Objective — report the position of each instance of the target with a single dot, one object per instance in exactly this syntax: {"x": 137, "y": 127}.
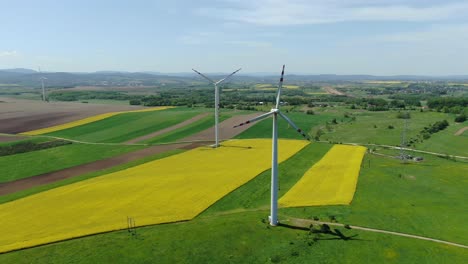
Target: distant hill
{"x": 30, "y": 78}
{"x": 18, "y": 70}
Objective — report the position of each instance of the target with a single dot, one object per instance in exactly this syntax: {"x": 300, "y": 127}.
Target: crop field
{"x": 172, "y": 189}
{"x": 24, "y": 165}
{"x": 330, "y": 181}
{"x": 126, "y": 126}
{"x": 190, "y": 129}
{"x": 225, "y": 193}
{"x": 19, "y": 115}
{"x": 87, "y": 120}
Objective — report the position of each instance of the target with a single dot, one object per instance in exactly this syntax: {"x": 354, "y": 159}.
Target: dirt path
{"x": 460, "y": 131}
{"x": 308, "y": 222}
{"x": 332, "y": 90}
{"x": 199, "y": 139}
{"x": 169, "y": 129}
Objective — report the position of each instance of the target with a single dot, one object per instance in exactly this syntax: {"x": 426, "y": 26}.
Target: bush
{"x": 135, "y": 102}
{"x": 403, "y": 115}
{"x": 24, "y": 147}
{"x": 310, "y": 112}
{"x": 460, "y": 118}
{"x": 390, "y": 127}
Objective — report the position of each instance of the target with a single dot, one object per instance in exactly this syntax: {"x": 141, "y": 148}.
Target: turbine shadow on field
{"x": 324, "y": 230}
{"x": 242, "y": 147}
{"x": 224, "y": 146}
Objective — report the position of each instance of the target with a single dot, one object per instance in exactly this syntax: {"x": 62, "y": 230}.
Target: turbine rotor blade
{"x": 260, "y": 117}
{"x": 220, "y": 81}
{"x": 279, "y": 88}
{"x": 204, "y": 76}
{"x": 294, "y": 125}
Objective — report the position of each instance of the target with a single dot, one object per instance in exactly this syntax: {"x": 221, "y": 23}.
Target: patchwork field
{"x": 330, "y": 181}
{"x": 127, "y": 126}
{"x": 18, "y": 115}
{"x": 172, "y": 189}
{"x": 24, "y": 165}
{"x": 87, "y": 121}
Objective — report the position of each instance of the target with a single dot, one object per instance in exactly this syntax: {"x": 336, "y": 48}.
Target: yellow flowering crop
{"x": 175, "y": 188}
{"x": 330, "y": 181}
{"x": 87, "y": 120}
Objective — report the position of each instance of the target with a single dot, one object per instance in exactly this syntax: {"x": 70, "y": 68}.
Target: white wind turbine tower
{"x": 273, "y": 218}
{"x": 216, "y": 102}
{"x": 43, "y": 87}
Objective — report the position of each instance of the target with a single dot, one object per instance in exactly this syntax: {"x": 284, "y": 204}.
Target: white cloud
{"x": 445, "y": 33}
{"x": 296, "y": 12}
{"x": 12, "y": 53}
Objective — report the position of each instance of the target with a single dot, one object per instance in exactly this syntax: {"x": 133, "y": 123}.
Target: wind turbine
{"x": 273, "y": 218}
{"x": 43, "y": 87}
{"x": 216, "y": 102}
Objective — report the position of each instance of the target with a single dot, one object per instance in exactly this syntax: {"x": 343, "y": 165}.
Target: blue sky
{"x": 377, "y": 37}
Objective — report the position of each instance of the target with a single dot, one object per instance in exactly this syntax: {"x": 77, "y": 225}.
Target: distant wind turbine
{"x": 43, "y": 86}
{"x": 216, "y": 102}
{"x": 273, "y": 218}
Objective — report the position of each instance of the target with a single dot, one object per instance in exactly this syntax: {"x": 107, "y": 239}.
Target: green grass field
{"x": 236, "y": 238}
{"x": 33, "y": 163}
{"x": 446, "y": 142}
{"x": 123, "y": 127}
{"x": 372, "y": 127}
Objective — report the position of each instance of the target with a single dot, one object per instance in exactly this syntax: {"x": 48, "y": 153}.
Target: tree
{"x": 318, "y": 134}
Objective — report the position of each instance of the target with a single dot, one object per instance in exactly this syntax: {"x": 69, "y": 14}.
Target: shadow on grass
{"x": 324, "y": 230}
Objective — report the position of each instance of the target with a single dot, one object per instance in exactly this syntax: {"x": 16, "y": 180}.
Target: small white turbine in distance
{"x": 43, "y": 86}
{"x": 273, "y": 218}
{"x": 216, "y": 102}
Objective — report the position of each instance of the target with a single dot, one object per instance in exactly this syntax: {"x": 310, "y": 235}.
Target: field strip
{"x": 88, "y": 120}
{"x": 461, "y": 130}
{"x": 330, "y": 181}
{"x": 172, "y": 189}
{"x": 307, "y": 223}
{"x": 168, "y": 129}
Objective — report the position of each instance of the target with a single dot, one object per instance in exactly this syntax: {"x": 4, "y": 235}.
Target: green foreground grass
{"x": 426, "y": 199}
{"x": 236, "y": 238}
{"x": 123, "y": 127}
{"x": 33, "y": 163}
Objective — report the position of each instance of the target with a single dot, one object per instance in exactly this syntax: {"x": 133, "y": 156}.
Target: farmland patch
{"x": 330, "y": 181}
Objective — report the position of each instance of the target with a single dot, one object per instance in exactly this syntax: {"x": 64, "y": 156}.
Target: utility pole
{"x": 403, "y": 140}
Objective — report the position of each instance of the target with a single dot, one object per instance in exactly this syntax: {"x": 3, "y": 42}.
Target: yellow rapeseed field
{"x": 175, "y": 188}
{"x": 330, "y": 181}
{"x": 87, "y": 120}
